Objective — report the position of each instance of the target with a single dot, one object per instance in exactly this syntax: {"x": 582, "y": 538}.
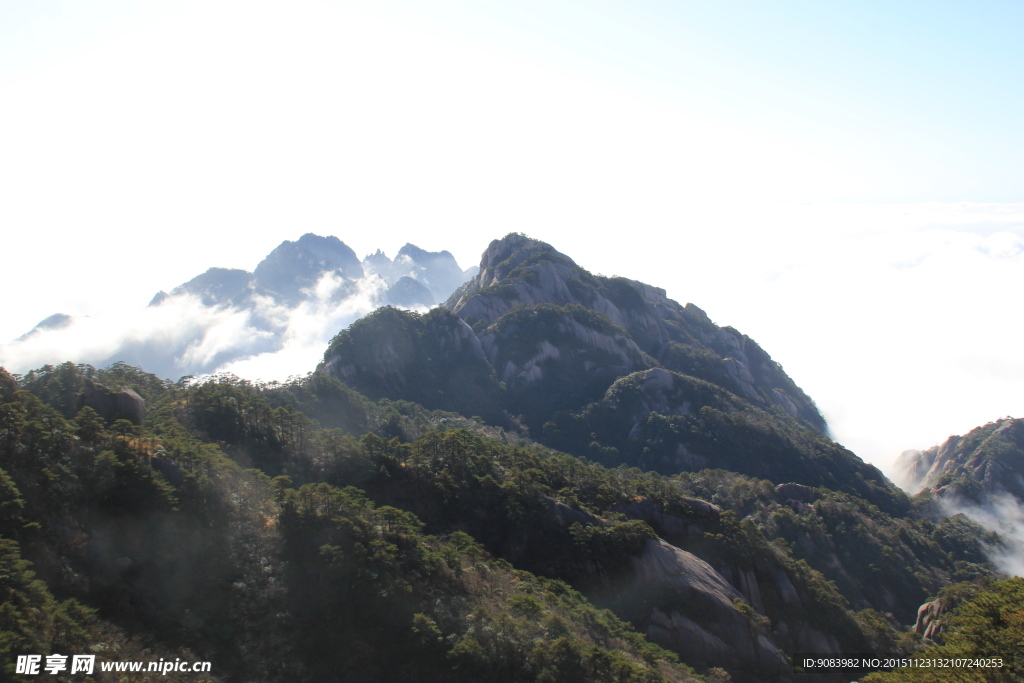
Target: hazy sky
{"x": 841, "y": 181}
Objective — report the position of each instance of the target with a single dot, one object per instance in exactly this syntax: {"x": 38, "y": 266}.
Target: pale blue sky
{"x": 930, "y": 88}
{"x": 840, "y": 180}
{"x": 924, "y": 96}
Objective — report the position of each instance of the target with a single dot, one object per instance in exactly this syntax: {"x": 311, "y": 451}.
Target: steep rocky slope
{"x": 984, "y": 463}
{"x": 433, "y": 359}
{"x": 517, "y": 270}
{"x": 606, "y": 368}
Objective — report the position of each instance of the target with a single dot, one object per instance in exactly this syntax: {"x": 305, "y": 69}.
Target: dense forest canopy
{"x": 234, "y": 526}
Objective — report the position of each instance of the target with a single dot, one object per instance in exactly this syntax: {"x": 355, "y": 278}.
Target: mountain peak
{"x": 214, "y": 287}
{"x": 294, "y": 266}
{"x": 56, "y": 321}
{"x": 602, "y": 367}
{"x": 501, "y": 256}
{"x": 437, "y": 271}
{"x": 421, "y": 255}
{"x": 328, "y": 248}
{"x": 521, "y": 271}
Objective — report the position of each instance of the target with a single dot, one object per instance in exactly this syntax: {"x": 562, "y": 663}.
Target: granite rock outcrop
{"x": 112, "y": 405}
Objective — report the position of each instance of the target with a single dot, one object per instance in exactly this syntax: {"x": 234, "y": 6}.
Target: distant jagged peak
{"x": 288, "y": 273}
{"x": 409, "y": 293}
{"x": 216, "y": 286}
{"x": 283, "y": 274}
{"x": 420, "y": 255}
{"x": 295, "y": 266}
{"x": 329, "y": 252}
{"x": 376, "y": 257}
{"x": 57, "y": 321}
{"x": 437, "y": 271}
{"x": 327, "y": 249}
{"x": 378, "y": 263}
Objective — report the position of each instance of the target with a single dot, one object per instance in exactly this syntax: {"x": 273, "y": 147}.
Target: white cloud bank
{"x": 181, "y": 336}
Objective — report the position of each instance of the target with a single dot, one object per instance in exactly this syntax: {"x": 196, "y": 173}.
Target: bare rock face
{"x": 565, "y": 336}
{"x": 112, "y": 405}
{"x": 792, "y": 491}
{"x": 713, "y": 632}
{"x": 928, "y": 623}
{"x": 797, "y": 496}
{"x": 565, "y": 515}
{"x": 8, "y": 385}
{"x": 702, "y": 508}
{"x": 434, "y": 359}
{"x": 670, "y": 525}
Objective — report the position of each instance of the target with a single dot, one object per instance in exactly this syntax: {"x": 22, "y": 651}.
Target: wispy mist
{"x": 181, "y": 336}
{"x": 1004, "y": 515}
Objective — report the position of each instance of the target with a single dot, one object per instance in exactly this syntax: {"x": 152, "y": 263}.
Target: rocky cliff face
{"x": 518, "y": 271}
{"x": 716, "y": 632}
{"x": 557, "y": 357}
{"x": 986, "y": 462}
{"x": 928, "y": 624}
{"x": 682, "y": 603}
{"x": 112, "y": 405}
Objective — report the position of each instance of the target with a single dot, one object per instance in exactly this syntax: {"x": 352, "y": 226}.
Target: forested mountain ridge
{"x": 627, "y": 539}
{"x": 605, "y": 368}
{"x": 548, "y": 491}
{"x": 177, "y": 550}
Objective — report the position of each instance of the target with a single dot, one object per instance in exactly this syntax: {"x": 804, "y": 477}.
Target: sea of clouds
{"x": 181, "y": 336}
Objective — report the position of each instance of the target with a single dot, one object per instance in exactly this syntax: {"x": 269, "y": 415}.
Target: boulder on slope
{"x": 112, "y": 405}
